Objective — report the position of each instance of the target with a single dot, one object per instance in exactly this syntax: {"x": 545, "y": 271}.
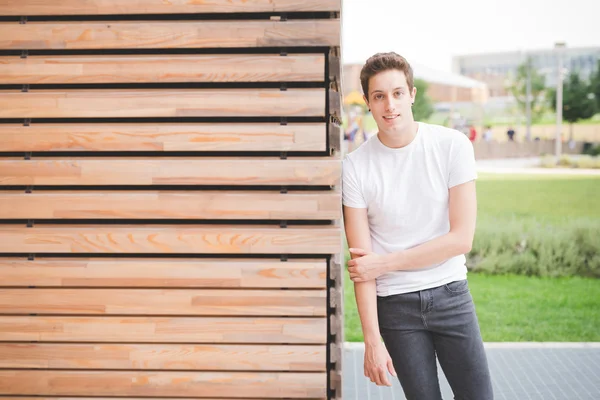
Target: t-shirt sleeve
{"x": 351, "y": 193}
{"x": 462, "y": 167}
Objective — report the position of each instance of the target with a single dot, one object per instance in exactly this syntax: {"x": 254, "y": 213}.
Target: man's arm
{"x": 462, "y": 205}
{"x": 377, "y": 358}
{"x": 356, "y": 225}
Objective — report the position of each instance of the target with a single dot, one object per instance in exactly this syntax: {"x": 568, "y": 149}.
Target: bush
{"x": 527, "y": 247}
{"x": 591, "y": 149}
{"x": 565, "y": 161}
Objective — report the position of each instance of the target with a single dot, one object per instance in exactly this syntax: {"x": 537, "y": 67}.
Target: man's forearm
{"x": 429, "y": 253}
{"x": 366, "y": 301}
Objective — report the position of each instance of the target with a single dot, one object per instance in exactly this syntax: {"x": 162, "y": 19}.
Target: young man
{"x": 409, "y": 212}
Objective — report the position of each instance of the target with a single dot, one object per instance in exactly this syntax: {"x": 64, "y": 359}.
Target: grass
{"x": 514, "y": 308}
{"x": 548, "y": 197}
{"x": 523, "y": 308}
{"x": 519, "y": 308}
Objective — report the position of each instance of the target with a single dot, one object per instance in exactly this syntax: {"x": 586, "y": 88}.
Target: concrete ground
{"x": 520, "y": 371}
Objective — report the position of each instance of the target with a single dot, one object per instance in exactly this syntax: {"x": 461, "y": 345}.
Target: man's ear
{"x": 414, "y": 95}
{"x": 366, "y": 102}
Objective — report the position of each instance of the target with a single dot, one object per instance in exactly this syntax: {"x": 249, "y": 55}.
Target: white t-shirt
{"x": 405, "y": 192}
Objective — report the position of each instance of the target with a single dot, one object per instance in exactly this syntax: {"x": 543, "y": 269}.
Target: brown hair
{"x": 383, "y": 62}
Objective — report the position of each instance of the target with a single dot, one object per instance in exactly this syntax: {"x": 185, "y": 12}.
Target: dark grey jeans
{"x": 416, "y": 326}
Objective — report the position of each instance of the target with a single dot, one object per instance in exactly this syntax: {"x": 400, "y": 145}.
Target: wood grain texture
{"x": 99, "y": 7}
{"x": 140, "y": 398}
{"x": 170, "y": 239}
{"x": 163, "y": 137}
{"x": 190, "y": 302}
{"x": 169, "y": 171}
{"x": 174, "y": 34}
{"x": 209, "y": 330}
{"x": 137, "y": 103}
{"x": 162, "y": 68}
{"x": 163, "y": 273}
{"x": 163, "y": 357}
{"x": 170, "y": 204}
{"x": 164, "y": 383}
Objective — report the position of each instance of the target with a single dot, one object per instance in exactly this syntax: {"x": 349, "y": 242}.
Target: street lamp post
{"x": 528, "y": 98}
{"x": 559, "y": 46}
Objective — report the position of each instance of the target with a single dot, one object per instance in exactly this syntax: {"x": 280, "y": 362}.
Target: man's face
{"x": 390, "y": 100}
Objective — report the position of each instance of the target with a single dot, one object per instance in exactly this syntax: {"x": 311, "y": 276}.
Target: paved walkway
{"x": 527, "y": 166}
{"x": 520, "y": 371}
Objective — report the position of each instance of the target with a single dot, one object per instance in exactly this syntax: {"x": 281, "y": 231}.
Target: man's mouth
{"x": 390, "y": 117}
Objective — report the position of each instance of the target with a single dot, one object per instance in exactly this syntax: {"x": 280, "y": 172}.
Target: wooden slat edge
{"x": 163, "y": 273}
{"x": 164, "y": 205}
{"x": 169, "y": 239}
{"x": 192, "y": 357}
{"x": 107, "y": 7}
{"x": 161, "y": 68}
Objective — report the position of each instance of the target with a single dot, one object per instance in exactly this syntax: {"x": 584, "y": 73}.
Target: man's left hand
{"x": 367, "y": 266}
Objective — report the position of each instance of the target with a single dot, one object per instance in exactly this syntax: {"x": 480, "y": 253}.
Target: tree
{"x": 595, "y": 85}
{"x": 518, "y": 88}
{"x": 578, "y": 100}
{"x": 423, "y": 107}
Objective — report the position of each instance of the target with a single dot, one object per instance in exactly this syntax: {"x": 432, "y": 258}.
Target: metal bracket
{"x": 31, "y": 257}
{"x": 283, "y": 224}
{"x": 283, "y": 155}
{"x": 283, "y": 87}
{"x": 27, "y": 155}
{"x": 283, "y": 52}
{"x": 284, "y": 257}
{"x": 279, "y": 18}
{"x": 26, "y": 121}
{"x": 283, "y": 121}
{"x": 24, "y": 53}
{"x": 25, "y": 88}
{"x": 23, "y": 20}
{"x": 29, "y": 189}
{"x": 283, "y": 190}
{"x": 30, "y": 223}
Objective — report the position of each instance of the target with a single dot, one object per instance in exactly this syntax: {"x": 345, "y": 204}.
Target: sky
{"x": 430, "y": 32}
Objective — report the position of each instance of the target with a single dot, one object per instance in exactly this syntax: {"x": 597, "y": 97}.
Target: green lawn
{"x": 550, "y": 198}
{"x": 525, "y": 308}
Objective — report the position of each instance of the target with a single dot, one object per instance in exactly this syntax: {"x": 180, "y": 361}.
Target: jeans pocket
{"x": 457, "y": 288}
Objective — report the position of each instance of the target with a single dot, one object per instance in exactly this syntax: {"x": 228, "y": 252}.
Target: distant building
{"x": 496, "y": 69}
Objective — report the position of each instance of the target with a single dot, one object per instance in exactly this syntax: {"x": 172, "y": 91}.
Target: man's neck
{"x": 396, "y": 140}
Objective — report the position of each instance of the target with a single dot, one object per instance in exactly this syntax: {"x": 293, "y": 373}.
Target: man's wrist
{"x": 394, "y": 261}
{"x": 373, "y": 340}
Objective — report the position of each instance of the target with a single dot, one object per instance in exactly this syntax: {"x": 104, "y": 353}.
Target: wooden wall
{"x": 169, "y": 199}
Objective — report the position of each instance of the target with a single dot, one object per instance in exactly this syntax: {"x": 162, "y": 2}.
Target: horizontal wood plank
{"x": 152, "y": 272}
{"x": 169, "y": 171}
{"x": 162, "y": 68}
{"x": 143, "y": 398}
{"x": 138, "y": 103}
{"x": 213, "y": 330}
{"x": 164, "y": 383}
{"x": 163, "y": 357}
{"x": 191, "y": 302}
{"x": 100, "y": 7}
{"x": 172, "y": 34}
{"x": 163, "y": 137}
{"x": 169, "y": 239}
{"x": 170, "y": 204}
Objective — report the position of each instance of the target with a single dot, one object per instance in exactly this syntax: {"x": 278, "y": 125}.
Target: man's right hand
{"x": 377, "y": 364}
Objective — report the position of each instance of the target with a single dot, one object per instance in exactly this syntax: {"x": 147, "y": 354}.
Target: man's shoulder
{"x": 443, "y": 135}
{"x": 362, "y": 152}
